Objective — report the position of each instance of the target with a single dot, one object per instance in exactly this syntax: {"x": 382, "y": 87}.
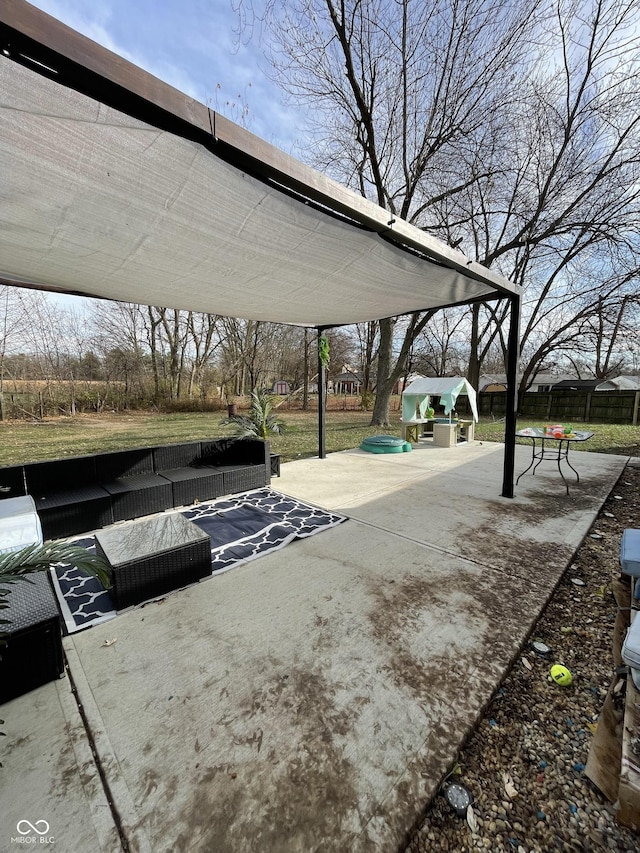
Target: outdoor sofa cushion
{"x": 67, "y": 497}
{"x": 244, "y": 463}
{"x": 128, "y": 476}
{"x": 12, "y": 482}
{"x": 190, "y": 484}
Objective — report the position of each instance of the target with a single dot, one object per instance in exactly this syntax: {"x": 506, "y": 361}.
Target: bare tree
{"x": 395, "y": 89}
{"x": 367, "y": 337}
{"x": 118, "y": 331}
{"x": 47, "y": 339}
{"x": 180, "y": 344}
{"x": 203, "y": 331}
{"x": 607, "y": 333}
{"x": 13, "y": 322}
{"x": 243, "y": 354}
{"x": 442, "y": 349}
{"x": 558, "y": 211}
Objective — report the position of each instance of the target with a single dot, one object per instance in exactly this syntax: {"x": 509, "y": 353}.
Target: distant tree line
{"x": 118, "y": 356}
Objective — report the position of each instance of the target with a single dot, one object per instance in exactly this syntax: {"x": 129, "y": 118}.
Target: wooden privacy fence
{"x": 612, "y": 407}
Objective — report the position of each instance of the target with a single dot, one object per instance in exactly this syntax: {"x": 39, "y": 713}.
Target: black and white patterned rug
{"x": 241, "y": 527}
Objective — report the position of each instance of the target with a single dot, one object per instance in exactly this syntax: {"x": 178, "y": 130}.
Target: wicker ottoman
{"x": 153, "y": 556}
{"x": 33, "y": 652}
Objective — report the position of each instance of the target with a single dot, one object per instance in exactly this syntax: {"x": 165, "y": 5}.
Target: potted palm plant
{"x": 260, "y": 422}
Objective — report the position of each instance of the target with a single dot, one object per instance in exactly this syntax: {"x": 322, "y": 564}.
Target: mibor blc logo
{"x": 33, "y": 833}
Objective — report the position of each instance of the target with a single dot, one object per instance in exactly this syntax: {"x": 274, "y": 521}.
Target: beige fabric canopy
{"x": 162, "y": 202}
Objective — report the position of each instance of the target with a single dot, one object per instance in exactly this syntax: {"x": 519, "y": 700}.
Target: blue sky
{"x": 192, "y": 45}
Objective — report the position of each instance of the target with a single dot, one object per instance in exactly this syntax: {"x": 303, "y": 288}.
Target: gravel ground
{"x": 535, "y": 735}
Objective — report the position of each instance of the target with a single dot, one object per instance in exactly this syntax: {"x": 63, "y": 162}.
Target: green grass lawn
{"x": 622, "y": 439}
{"x": 58, "y": 437}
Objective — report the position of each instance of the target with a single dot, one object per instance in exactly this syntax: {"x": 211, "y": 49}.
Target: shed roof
{"x": 119, "y": 186}
{"x": 620, "y": 383}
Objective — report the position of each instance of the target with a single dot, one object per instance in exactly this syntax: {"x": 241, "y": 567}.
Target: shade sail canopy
{"x": 115, "y": 185}
{"x": 417, "y": 396}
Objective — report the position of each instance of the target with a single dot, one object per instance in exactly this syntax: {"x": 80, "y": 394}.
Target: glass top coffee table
{"x": 153, "y": 556}
{"x": 545, "y": 447}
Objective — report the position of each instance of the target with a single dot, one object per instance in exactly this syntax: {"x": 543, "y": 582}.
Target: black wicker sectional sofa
{"x": 84, "y": 493}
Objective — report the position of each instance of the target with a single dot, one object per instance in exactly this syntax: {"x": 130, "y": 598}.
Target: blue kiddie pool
{"x": 385, "y": 444}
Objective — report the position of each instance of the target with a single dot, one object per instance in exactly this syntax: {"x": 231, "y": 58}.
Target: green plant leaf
{"x": 15, "y": 565}
{"x": 323, "y": 350}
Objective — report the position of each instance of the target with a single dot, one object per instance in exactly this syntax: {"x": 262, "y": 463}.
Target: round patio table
{"x": 545, "y": 447}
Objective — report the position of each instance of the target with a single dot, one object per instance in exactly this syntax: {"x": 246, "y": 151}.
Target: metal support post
{"x": 513, "y": 355}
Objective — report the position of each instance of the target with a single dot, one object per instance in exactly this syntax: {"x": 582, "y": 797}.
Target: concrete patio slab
{"x": 454, "y": 504}
{"x": 313, "y": 699}
{"x": 50, "y": 785}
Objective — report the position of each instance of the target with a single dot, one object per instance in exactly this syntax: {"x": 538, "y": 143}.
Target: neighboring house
{"x": 498, "y": 382}
{"x": 492, "y": 382}
{"x": 545, "y": 381}
{"x": 347, "y": 383}
{"x": 620, "y": 383}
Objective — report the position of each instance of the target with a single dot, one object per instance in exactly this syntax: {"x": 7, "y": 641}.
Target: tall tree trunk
{"x": 305, "y": 386}
{"x": 390, "y": 369}
{"x": 153, "y": 347}
{"x": 384, "y": 384}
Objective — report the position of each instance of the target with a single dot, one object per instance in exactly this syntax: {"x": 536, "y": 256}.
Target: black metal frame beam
{"x": 513, "y": 356}
{"x": 322, "y": 398}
